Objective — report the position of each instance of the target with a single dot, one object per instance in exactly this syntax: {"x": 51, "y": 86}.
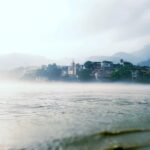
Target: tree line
{"x": 119, "y": 73}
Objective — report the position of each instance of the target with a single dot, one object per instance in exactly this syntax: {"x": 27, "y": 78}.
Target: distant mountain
{"x": 102, "y": 58}
{"x": 144, "y": 53}
{"x": 116, "y": 58}
{"x": 135, "y": 57}
{"x": 145, "y": 63}
{"x": 15, "y": 60}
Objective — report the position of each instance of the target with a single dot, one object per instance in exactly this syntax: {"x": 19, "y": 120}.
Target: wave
{"x": 130, "y": 139}
{"x": 121, "y": 132}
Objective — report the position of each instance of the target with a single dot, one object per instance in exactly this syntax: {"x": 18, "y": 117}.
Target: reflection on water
{"x": 74, "y": 116}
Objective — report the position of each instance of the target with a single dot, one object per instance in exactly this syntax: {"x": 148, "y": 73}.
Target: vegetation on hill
{"x": 123, "y": 73}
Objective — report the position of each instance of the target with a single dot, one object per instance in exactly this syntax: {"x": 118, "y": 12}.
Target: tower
{"x": 73, "y": 68}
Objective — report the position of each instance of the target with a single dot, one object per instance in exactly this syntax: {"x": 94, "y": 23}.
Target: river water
{"x": 74, "y": 116}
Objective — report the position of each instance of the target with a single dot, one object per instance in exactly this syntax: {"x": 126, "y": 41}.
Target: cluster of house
{"x": 101, "y": 70}
{"x": 71, "y": 71}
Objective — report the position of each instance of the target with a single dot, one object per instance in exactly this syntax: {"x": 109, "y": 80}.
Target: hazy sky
{"x": 73, "y": 28}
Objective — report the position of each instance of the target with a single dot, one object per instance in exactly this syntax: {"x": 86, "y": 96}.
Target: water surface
{"x": 74, "y": 116}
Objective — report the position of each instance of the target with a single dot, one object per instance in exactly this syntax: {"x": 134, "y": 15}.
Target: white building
{"x": 107, "y": 64}
{"x": 72, "y": 69}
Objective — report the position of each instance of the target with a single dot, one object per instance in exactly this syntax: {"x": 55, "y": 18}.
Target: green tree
{"x": 88, "y": 65}
{"x": 51, "y": 72}
{"x": 144, "y": 76}
{"x": 123, "y": 73}
{"x": 85, "y": 75}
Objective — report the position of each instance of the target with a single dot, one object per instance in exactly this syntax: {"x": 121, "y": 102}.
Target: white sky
{"x": 73, "y": 28}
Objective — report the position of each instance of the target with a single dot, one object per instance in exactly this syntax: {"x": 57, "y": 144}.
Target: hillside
{"x": 15, "y": 60}
{"x": 145, "y": 63}
{"x": 135, "y": 57}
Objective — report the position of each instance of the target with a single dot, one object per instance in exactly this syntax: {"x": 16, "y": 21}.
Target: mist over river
{"x": 74, "y": 116}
